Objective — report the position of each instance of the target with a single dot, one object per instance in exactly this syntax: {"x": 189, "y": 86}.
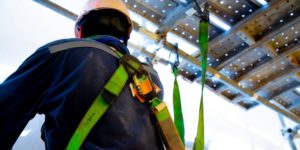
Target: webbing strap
{"x": 95, "y": 112}
{"x": 81, "y": 43}
{"x": 167, "y": 128}
{"x": 117, "y": 82}
{"x": 203, "y": 44}
{"x": 114, "y": 86}
{"x": 178, "y": 116}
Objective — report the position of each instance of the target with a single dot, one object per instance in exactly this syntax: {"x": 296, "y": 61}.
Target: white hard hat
{"x": 95, "y": 5}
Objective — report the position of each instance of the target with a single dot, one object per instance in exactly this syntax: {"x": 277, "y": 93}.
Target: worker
{"x": 62, "y": 79}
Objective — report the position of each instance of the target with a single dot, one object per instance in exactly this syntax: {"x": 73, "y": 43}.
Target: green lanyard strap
{"x": 178, "y": 116}
{"x": 203, "y": 44}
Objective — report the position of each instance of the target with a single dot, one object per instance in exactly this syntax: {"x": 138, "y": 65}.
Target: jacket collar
{"x": 111, "y": 41}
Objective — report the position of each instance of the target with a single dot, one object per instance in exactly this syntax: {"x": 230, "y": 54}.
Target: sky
{"x": 26, "y": 25}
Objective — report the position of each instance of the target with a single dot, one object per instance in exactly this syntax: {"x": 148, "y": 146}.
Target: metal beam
{"x": 294, "y": 60}
{"x": 221, "y": 89}
{"x": 273, "y": 78}
{"x": 57, "y": 9}
{"x": 279, "y": 91}
{"x": 174, "y": 17}
{"x": 143, "y": 51}
{"x": 276, "y": 77}
{"x": 261, "y": 42}
{"x": 215, "y": 5}
{"x": 237, "y": 27}
{"x": 235, "y": 74}
{"x": 261, "y": 67}
{"x": 148, "y": 7}
{"x": 222, "y": 78}
{"x": 246, "y": 37}
{"x": 265, "y": 84}
{"x": 253, "y": 95}
{"x": 159, "y": 36}
{"x": 181, "y": 2}
{"x": 296, "y": 76}
{"x": 271, "y": 49}
{"x": 255, "y": 2}
{"x": 232, "y": 83}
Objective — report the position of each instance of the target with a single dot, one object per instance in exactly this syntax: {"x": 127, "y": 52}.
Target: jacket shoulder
{"x": 56, "y": 42}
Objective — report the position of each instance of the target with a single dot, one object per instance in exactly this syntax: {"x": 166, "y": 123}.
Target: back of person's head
{"x": 104, "y": 17}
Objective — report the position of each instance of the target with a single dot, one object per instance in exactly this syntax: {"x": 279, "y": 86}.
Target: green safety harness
{"x": 144, "y": 90}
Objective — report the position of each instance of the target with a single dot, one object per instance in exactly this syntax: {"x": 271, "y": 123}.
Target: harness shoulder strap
{"x": 80, "y": 43}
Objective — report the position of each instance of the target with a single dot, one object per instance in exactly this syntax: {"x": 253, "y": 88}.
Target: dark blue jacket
{"x": 61, "y": 80}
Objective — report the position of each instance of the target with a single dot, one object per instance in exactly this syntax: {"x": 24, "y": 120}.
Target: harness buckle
{"x": 142, "y": 88}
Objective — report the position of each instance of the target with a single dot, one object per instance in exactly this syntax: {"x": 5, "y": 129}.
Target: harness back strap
{"x": 114, "y": 86}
